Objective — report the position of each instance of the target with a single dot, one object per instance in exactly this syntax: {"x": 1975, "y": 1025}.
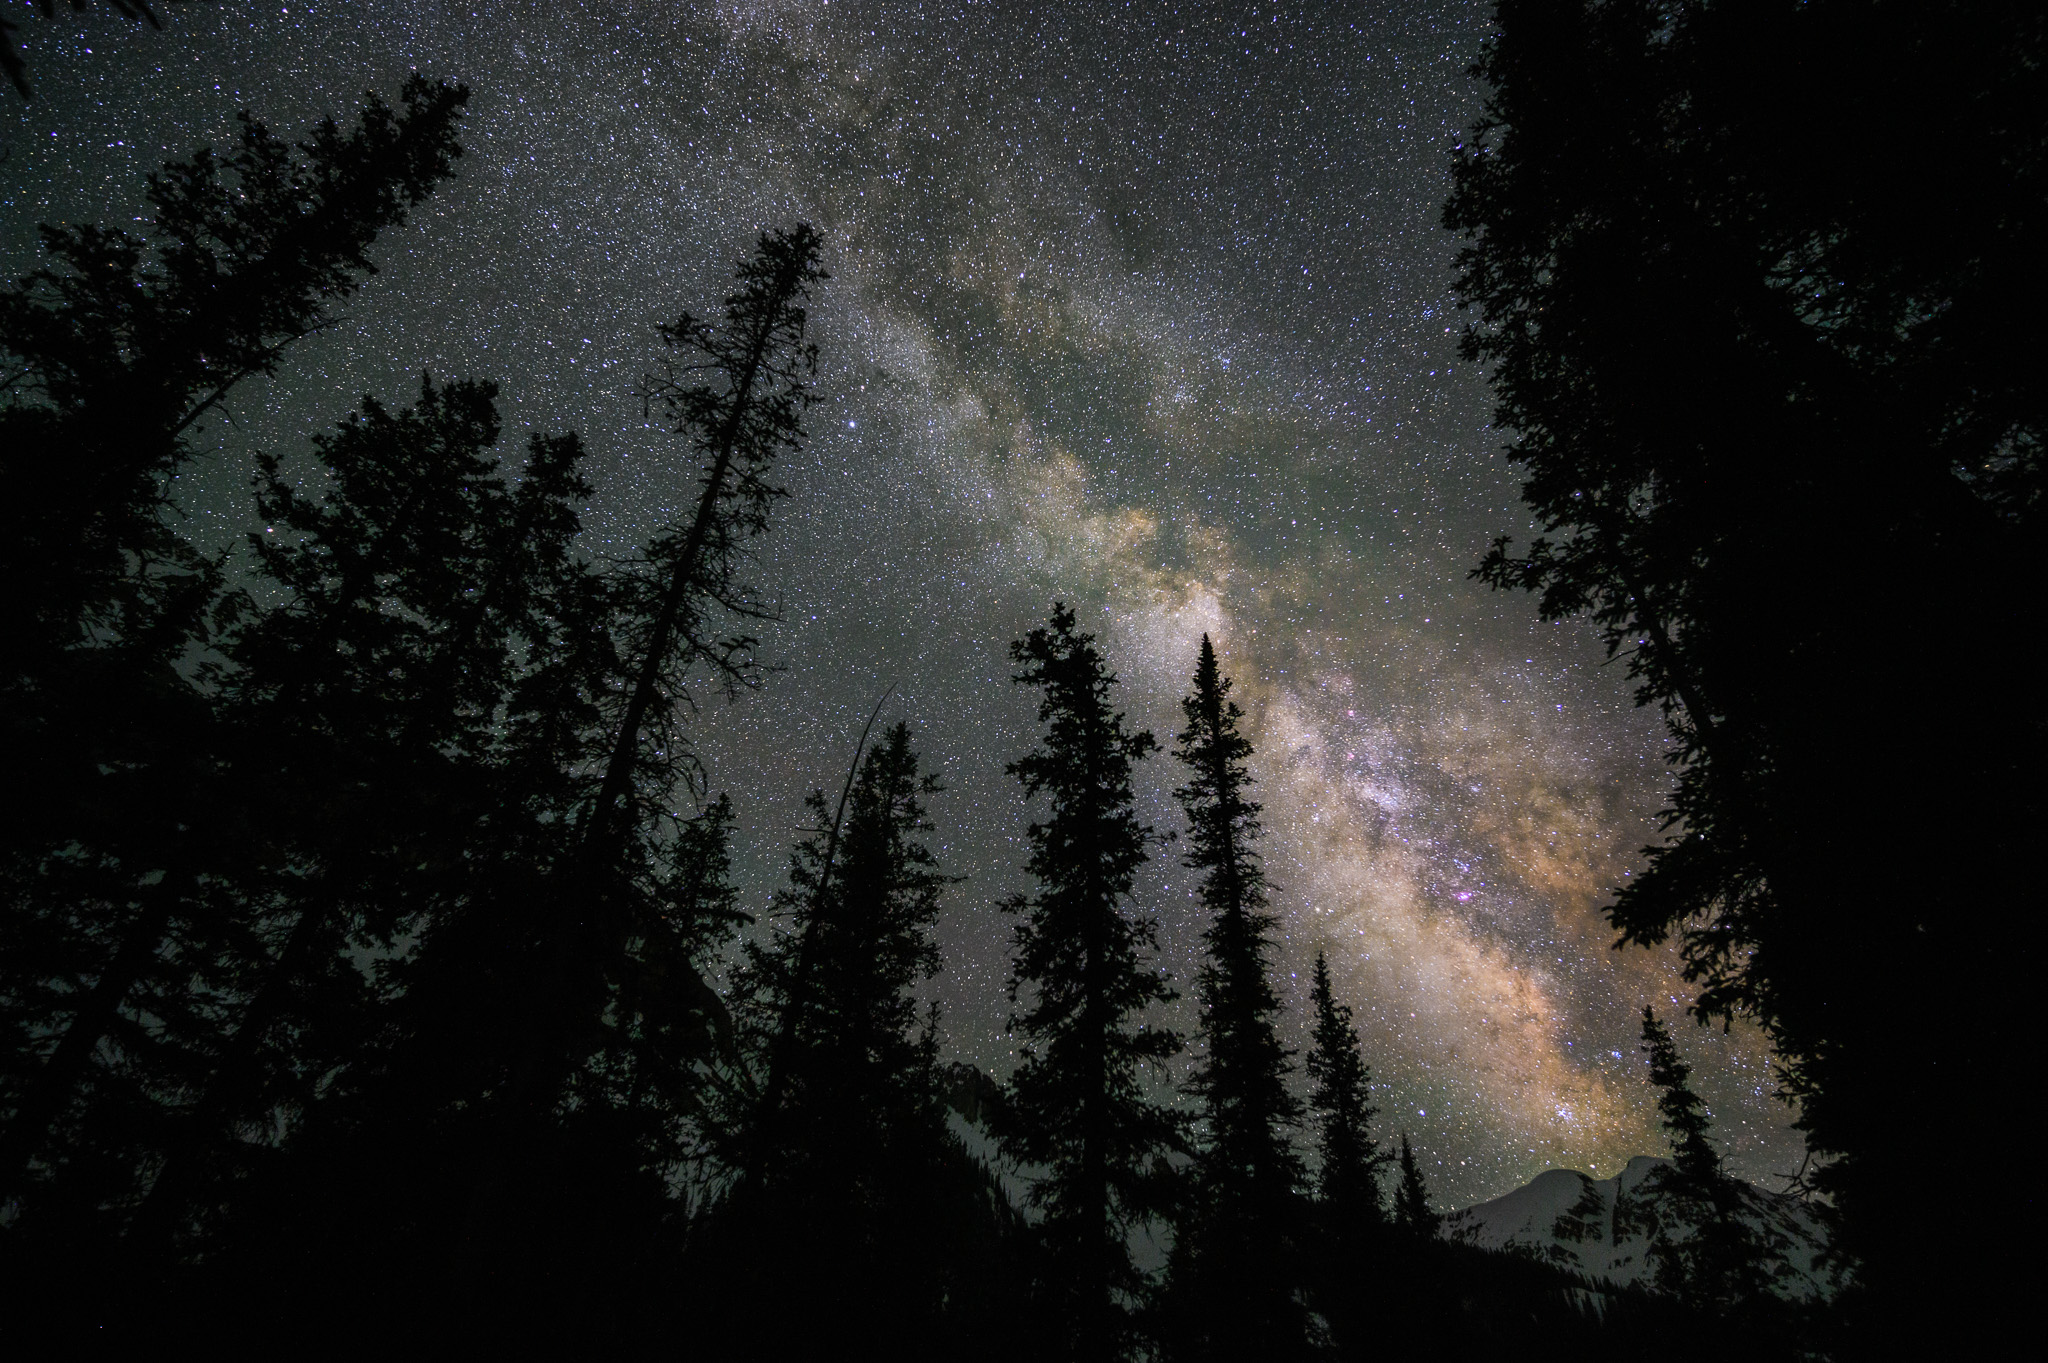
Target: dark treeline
{"x": 370, "y": 963}
{"x": 359, "y": 890}
{"x": 1757, "y": 284}
{"x": 364, "y": 899}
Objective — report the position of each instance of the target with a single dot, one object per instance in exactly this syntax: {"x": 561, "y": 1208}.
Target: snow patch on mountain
{"x": 1605, "y": 1228}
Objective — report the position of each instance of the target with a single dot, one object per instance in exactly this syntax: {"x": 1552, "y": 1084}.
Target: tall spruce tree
{"x": 372, "y": 714}
{"x": 1684, "y": 1117}
{"x": 443, "y": 674}
{"x": 1412, "y": 1212}
{"x": 1235, "y": 1277}
{"x": 1078, "y": 1106}
{"x": 1350, "y": 1215}
{"x": 328, "y": 945}
{"x": 736, "y": 392}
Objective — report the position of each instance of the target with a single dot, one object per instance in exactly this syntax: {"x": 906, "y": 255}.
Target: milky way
{"x": 1142, "y": 308}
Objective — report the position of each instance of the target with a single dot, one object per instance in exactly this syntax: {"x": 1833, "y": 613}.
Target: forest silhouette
{"x": 371, "y": 965}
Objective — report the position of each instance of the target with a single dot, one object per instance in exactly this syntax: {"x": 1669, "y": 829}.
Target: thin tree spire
{"x": 1412, "y": 1211}
{"x": 1340, "y": 1104}
{"x": 1236, "y": 1260}
{"x": 737, "y": 428}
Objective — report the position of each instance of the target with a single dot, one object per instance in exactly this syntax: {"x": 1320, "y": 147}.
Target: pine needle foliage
{"x": 128, "y": 861}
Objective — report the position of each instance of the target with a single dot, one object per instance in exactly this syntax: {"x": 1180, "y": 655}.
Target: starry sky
{"x": 1144, "y": 307}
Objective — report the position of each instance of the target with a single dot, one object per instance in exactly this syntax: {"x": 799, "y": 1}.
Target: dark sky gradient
{"x": 1142, "y": 308}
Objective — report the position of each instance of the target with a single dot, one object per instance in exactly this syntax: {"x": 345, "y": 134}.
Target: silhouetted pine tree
{"x": 364, "y": 730}
{"x": 737, "y": 395}
{"x": 1350, "y": 1217}
{"x": 124, "y": 343}
{"x": 1235, "y": 1280}
{"x": 522, "y": 1098}
{"x": 326, "y": 948}
{"x": 1340, "y": 1104}
{"x": 853, "y": 1200}
{"x": 126, "y": 860}
{"x": 1077, "y": 1106}
{"x": 1720, "y": 1262}
{"x": 1411, "y": 1198}
{"x": 1684, "y": 1117}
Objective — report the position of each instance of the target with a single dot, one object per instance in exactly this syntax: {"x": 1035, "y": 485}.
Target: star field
{"x": 1141, "y": 307}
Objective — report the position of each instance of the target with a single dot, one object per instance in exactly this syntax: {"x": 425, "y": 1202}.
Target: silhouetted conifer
{"x": 370, "y": 939}
{"x": 736, "y": 394}
{"x": 1412, "y": 1212}
{"x": 1348, "y": 1156}
{"x": 853, "y": 1200}
{"x": 1704, "y": 1249}
{"x": 126, "y": 861}
{"x": 1684, "y": 1117}
{"x": 1235, "y": 1280}
{"x": 1352, "y": 1289}
{"x": 1077, "y": 1106}
{"x": 364, "y": 716}
{"x": 122, "y": 345}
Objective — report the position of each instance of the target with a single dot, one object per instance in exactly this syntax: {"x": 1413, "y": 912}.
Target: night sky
{"x": 1140, "y": 307}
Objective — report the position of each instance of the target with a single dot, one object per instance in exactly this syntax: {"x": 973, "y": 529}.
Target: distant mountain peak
{"x": 1605, "y": 1228}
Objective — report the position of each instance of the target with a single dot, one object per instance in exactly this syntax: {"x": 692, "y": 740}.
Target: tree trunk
{"x": 579, "y": 948}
